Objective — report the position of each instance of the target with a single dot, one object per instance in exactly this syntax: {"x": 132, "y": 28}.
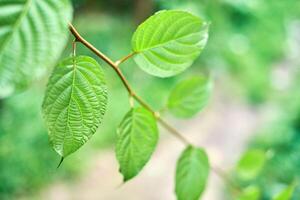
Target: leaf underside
{"x": 168, "y": 42}
{"x": 189, "y": 96}
{"x": 191, "y": 174}
{"x": 75, "y": 103}
{"x": 136, "y": 140}
{"x": 33, "y": 34}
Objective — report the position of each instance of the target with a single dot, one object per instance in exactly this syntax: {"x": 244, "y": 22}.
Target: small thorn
{"x": 60, "y": 162}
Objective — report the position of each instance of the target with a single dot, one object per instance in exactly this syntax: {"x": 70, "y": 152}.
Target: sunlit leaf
{"x": 250, "y": 193}
{"x": 286, "y": 193}
{"x": 136, "y": 140}
{"x": 189, "y": 96}
{"x": 74, "y": 104}
{"x": 33, "y": 34}
{"x": 168, "y": 42}
{"x": 191, "y": 174}
{"x": 251, "y": 164}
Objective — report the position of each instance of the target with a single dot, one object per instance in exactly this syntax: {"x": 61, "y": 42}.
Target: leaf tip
{"x": 126, "y": 179}
{"x": 60, "y": 162}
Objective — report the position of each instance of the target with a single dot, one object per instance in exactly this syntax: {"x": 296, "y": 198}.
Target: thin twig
{"x": 74, "y": 48}
{"x": 167, "y": 126}
{"x": 173, "y": 131}
{"x": 219, "y": 172}
{"x": 101, "y": 55}
{"x": 115, "y": 67}
{"x": 125, "y": 58}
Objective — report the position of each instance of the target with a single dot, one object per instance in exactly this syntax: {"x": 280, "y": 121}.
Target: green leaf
{"x": 251, "y": 163}
{"x": 33, "y": 34}
{"x": 75, "y": 103}
{"x": 191, "y": 174}
{"x": 286, "y": 193}
{"x": 168, "y": 42}
{"x": 250, "y": 193}
{"x": 136, "y": 140}
{"x": 189, "y": 96}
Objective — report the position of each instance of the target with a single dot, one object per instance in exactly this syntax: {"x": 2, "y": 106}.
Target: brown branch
{"x": 102, "y": 56}
{"x": 125, "y": 58}
{"x": 219, "y": 172}
{"x": 173, "y": 131}
{"x": 115, "y": 67}
{"x": 167, "y": 126}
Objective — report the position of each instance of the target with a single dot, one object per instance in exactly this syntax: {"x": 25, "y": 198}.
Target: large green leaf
{"x": 136, "y": 140}
{"x": 33, "y": 34}
{"x": 75, "y": 103}
{"x": 250, "y": 164}
{"x": 168, "y": 42}
{"x": 189, "y": 96}
{"x": 191, "y": 174}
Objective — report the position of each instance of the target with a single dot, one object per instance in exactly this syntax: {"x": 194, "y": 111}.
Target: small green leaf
{"x": 191, "y": 174}
{"x": 136, "y": 140}
{"x": 33, "y": 34}
{"x": 189, "y": 96}
{"x": 75, "y": 103}
{"x": 168, "y": 42}
{"x": 251, "y": 164}
{"x": 286, "y": 193}
{"x": 250, "y": 193}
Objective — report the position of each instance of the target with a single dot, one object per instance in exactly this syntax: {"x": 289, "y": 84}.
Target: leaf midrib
{"x": 17, "y": 24}
{"x": 131, "y": 136}
{"x": 71, "y": 97}
{"x": 164, "y": 43}
{"x": 191, "y": 157}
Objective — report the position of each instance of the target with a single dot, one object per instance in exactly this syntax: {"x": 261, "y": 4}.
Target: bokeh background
{"x": 253, "y": 56}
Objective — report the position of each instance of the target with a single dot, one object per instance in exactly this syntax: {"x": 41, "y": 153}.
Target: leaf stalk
{"x": 122, "y": 60}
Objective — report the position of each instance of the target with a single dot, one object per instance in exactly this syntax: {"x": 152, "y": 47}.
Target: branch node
{"x": 118, "y": 62}
{"x": 74, "y": 48}
{"x": 131, "y": 101}
{"x": 157, "y": 114}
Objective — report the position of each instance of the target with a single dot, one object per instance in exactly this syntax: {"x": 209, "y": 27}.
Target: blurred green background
{"x": 253, "y": 55}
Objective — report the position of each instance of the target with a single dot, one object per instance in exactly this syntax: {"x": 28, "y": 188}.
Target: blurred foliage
{"x": 248, "y": 39}
{"x": 254, "y": 42}
{"x": 250, "y": 164}
{"x": 27, "y": 162}
{"x": 250, "y": 193}
{"x": 286, "y": 193}
{"x": 280, "y": 140}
